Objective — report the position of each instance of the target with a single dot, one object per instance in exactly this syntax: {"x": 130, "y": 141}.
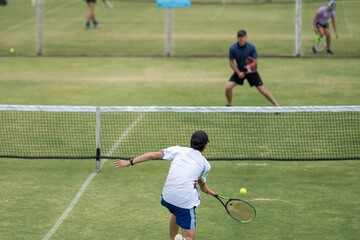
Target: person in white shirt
{"x": 180, "y": 194}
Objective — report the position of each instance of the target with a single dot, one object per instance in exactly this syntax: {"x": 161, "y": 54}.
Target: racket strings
{"x": 240, "y": 210}
{"x": 320, "y": 43}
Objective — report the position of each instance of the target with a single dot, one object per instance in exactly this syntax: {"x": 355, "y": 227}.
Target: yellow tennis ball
{"x": 243, "y": 191}
{"x": 12, "y": 50}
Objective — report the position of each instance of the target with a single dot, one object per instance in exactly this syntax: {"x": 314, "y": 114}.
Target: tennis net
{"x": 235, "y": 133}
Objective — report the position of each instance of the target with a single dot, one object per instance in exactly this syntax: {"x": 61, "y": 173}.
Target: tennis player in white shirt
{"x": 180, "y": 195}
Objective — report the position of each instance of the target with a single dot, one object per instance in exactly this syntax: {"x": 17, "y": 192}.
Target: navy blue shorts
{"x": 185, "y": 218}
{"x": 254, "y": 79}
{"x": 318, "y": 25}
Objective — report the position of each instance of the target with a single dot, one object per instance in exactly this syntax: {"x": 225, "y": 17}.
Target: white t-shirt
{"x": 187, "y": 166}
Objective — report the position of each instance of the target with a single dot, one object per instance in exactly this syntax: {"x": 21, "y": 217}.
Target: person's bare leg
{"x": 90, "y": 12}
{"x": 328, "y": 38}
{"x": 228, "y": 92}
{"x": 173, "y": 227}
{"x": 321, "y": 32}
{"x": 268, "y": 95}
{"x": 188, "y": 234}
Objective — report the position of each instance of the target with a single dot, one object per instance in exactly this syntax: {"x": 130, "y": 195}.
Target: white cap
{"x": 332, "y": 4}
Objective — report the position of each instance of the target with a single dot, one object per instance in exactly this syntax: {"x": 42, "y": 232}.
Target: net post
{"x": 98, "y": 139}
{"x": 39, "y": 28}
{"x": 169, "y": 14}
{"x": 298, "y": 8}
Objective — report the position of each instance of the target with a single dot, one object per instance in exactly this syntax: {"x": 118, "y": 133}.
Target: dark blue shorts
{"x": 185, "y": 218}
{"x": 254, "y": 79}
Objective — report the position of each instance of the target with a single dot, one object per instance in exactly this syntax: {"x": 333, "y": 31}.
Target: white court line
{"x": 70, "y": 207}
{"x": 347, "y": 20}
{"x": 123, "y": 136}
{"x": 88, "y": 181}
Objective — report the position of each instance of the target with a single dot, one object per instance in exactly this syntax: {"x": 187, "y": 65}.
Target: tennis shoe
{"x": 314, "y": 50}
{"x": 178, "y": 237}
{"x": 87, "y": 26}
{"x": 330, "y": 52}
{"x": 96, "y": 24}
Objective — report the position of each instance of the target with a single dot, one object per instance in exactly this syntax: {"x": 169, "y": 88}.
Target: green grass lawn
{"x": 294, "y": 200}
{"x": 139, "y": 28}
{"x": 173, "y": 82}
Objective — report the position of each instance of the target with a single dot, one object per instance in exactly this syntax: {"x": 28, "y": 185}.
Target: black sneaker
{"x": 314, "y": 50}
{"x": 96, "y": 24}
{"x": 330, "y": 52}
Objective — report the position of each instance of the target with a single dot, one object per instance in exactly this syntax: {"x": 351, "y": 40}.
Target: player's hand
{"x": 121, "y": 163}
{"x": 241, "y": 74}
{"x": 204, "y": 188}
{"x": 212, "y": 193}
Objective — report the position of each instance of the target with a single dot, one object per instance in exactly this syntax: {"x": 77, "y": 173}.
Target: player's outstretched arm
{"x": 204, "y": 188}
{"x": 142, "y": 158}
{"x": 333, "y": 22}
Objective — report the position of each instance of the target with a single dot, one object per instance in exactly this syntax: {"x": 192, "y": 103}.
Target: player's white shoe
{"x": 178, "y": 237}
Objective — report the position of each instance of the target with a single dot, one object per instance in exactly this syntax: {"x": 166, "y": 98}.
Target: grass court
{"x": 294, "y": 200}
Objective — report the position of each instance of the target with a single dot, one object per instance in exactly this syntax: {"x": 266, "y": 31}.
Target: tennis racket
{"x": 108, "y": 4}
{"x": 238, "y": 209}
{"x": 250, "y": 65}
{"x": 320, "y": 43}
